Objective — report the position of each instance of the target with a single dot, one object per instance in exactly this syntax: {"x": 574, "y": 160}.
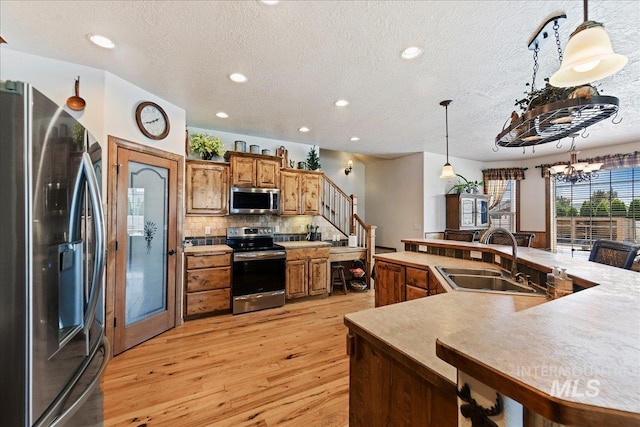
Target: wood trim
{"x": 547, "y": 212}
{"x": 110, "y": 211}
{"x": 550, "y": 407}
{"x": 518, "y": 205}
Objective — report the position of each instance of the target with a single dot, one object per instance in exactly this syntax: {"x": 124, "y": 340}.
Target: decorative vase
{"x": 206, "y": 155}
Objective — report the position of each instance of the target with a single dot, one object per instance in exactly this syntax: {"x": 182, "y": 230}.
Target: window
{"x": 607, "y": 207}
{"x": 503, "y": 214}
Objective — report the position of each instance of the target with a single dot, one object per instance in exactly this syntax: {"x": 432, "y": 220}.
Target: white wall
{"x": 435, "y": 188}
{"x": 296, "y": 151}
{"x": 333, "y": 165}
{"x": 394, "y": 191}
{"x": 111, "y": 101}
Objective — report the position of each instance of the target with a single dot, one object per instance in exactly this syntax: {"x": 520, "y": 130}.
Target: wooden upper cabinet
{"x": 300, "y": 192}
{"x": 207, "y": 188}
{"x": 243, "y": 172}
{"x": 289, "y": 193}
{"x": 254, "y": 170}
{"x": 310, "y": 192}
{"x": 268, "y": 173}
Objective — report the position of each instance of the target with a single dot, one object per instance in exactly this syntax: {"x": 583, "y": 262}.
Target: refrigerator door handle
{"x": 101, "y": 249}
{"x": 62, "y": 418}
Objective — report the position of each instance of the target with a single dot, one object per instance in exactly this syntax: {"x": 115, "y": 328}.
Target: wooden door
{"x": 243, "y": 172}
{"x": 289, "y": 193}
{"x": 296, "y": 284}
{"x": 145, "y": 246}
{"x": 310, "y": 190}
{"x": 207, "y": 188}
{"x": 389, "y": 283}
{"x": 318, "y": 274}
{"x": 267, "y": 173}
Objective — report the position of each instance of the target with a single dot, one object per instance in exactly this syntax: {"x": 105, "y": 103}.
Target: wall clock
{"x": 152, "y": 120}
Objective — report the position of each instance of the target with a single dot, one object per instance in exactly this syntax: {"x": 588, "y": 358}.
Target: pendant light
{"x": 588, "y": 57}
{"x": 447, "y": 169}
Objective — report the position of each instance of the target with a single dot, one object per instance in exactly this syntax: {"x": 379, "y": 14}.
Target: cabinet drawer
{"x": 414, "y": 293}
{"x": 208, "y": 278}
{"x": 208, "y": 261}
{"x": 418, "y": 278}
{"x": 208, "y": 301}
{"x": 308, "y": 253}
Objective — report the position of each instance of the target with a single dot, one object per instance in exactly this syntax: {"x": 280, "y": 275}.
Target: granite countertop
{"x": 304, "y": 244}
{"x": 592, "y": 335}
{"x": 207, "y": 249}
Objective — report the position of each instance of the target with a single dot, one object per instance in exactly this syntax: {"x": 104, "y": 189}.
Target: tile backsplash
{"x": 290, "y": 228}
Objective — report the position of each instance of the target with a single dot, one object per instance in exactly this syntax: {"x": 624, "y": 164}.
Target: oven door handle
{"x": 256, "y": 256}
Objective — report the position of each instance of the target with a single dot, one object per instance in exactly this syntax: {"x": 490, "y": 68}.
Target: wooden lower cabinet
{"x": 385, "y": 391}
{"x": 207, "y": 283}
{"x": 396, "y": 283}
{"x": 307, "y": 272}
{"x": 389, "y": 283}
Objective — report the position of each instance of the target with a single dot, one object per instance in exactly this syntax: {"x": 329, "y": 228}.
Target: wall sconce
{"x": 349, "y": 167}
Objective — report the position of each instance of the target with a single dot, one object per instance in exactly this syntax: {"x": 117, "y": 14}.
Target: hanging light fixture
{"x": 588, "y": 57}
{"x": 447, "y": 169}
{"x": 575, "y": 171}
{"x": 553, "y": 113}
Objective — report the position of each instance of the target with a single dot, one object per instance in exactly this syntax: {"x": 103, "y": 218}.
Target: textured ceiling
{"x": 301, "y": 56}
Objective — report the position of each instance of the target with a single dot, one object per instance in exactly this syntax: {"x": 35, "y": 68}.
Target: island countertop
{"x": 592, "y": 335}
{"x": 411, "y": 328}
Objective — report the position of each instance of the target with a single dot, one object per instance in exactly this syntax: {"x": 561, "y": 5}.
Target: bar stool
{"x": 337, "y": 277}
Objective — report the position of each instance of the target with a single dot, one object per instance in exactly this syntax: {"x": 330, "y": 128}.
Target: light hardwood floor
{"x": 279, "y": 367}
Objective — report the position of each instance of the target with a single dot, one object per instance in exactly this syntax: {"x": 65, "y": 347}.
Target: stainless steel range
{"x": 258, "y": 269}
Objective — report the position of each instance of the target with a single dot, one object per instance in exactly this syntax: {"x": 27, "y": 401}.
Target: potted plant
{"x": 466, "y": 186}
{"x": 206, "y": 146}
{"x": 313, "y": 160}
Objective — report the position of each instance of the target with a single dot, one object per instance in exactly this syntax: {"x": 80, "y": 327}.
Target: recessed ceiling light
{"x": 222, "y": 115}
{"x": 270, "y": 2}
{"x": 354, "y": 139}
{"x": 412, "y": 52}
{"x": 341, "y": 103}
{"x": 101, "y": 41}
{"x": 303, "y": 129}
{"x": 238, "y": 78}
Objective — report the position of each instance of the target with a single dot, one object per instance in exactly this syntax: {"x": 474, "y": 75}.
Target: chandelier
{"x": 575, "y": 171}
{"x": 553, "y": 113}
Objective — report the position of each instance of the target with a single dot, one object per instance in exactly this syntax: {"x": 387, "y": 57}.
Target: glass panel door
{"x": 147, "y": 193}
{"x": 145, "y": 254}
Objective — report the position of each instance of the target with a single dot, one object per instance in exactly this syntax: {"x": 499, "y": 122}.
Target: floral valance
{"x": 503, "y": 174}
{"x": 611, "y": 161}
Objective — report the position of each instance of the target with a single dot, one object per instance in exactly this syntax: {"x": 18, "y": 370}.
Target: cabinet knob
{"x": 171, "y": 252}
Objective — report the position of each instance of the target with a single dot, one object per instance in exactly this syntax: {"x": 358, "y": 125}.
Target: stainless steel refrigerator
{"x": 52, "y": 343}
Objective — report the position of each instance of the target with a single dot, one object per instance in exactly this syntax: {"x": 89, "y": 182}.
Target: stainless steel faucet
{"x": 514, "y": 247}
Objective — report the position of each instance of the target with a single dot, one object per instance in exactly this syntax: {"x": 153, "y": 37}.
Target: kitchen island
{"x": 520, "y": 346}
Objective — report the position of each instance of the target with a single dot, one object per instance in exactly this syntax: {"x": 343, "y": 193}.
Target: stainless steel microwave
{"x": 251, "y": 200}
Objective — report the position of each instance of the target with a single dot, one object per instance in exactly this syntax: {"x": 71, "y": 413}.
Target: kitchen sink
{"x": 471, "y": 271}
{"x": 484, "y": 280}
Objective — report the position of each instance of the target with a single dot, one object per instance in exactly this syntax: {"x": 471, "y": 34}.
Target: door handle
{"x": 171, "y": 252}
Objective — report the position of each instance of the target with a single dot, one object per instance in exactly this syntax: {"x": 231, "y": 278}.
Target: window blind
{"x": 606, "y": 207}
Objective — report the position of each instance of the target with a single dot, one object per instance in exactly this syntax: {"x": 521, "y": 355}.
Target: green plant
{"x": 313, "y": 160}
{"x": 602, "y": 209}
{"x": 546, "y": 95}
{"x": 206, "y": 145}
{"x": 618, "y": 208}
{"x": 465, "y": 186}
{"x": 587, "y": 208}
{"x": 634, "y": 210}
